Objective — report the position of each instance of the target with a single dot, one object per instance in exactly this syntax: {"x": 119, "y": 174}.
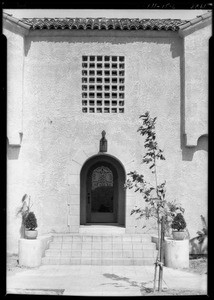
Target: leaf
{"x": 203, "y": 221}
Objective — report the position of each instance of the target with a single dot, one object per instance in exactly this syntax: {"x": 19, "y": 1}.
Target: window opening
{"x": 103, "y": 79}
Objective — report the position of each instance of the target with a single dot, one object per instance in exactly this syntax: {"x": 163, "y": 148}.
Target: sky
{"x": 184, "y": 14}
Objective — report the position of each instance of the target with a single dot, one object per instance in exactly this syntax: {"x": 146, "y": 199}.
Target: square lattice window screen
{"x": 103, "y": 84}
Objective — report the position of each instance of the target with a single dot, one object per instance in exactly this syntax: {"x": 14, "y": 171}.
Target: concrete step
{"x": 101, "y": 238}
{"x": 115, "y": 249}
{"x": 101, "y": 245}
{"x": 101, "y": 229}
{"x": 97, "y": 261}
{"x": 148, "y": 253}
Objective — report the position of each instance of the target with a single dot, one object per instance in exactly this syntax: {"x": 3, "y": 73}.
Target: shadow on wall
{"x": 12, "y": 151}
{"x": 175, "y": 45}
{"x": 188, "y": 152}
{"x": 175, "y": 48}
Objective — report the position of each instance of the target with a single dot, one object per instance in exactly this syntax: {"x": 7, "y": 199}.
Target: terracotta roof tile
{"x": 106, "y": 23}
{"x": 103, "y": 23}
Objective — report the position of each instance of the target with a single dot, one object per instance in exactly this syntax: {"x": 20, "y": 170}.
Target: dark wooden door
{"x": 101, "y": 195}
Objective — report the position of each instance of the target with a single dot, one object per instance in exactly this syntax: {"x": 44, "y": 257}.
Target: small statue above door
{"x": 103, "y": 142}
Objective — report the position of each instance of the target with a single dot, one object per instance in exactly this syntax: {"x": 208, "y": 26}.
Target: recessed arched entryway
{"x": 102, "y": 192}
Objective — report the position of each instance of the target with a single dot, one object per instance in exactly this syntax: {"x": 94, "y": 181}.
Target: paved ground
{"x": 100, "y": 280}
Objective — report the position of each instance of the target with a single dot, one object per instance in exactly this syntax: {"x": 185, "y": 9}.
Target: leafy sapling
{"x": 153, "y": 194}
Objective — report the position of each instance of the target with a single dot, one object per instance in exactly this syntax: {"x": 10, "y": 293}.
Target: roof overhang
{"x": 182, "y": 27}
{"x": 20, "y": 26}
{"x": 195, "y": 24}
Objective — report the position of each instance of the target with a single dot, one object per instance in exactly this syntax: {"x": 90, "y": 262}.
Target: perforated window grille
{"x": 103, "y": 84}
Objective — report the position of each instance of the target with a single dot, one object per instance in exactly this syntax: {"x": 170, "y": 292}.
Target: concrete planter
{"x": 31, "y": 251}
{"x": 176, "y": 253}
{"x": 31, "y": 234}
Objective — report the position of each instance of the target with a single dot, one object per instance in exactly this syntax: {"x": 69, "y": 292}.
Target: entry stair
{"x": 91, "y": 247}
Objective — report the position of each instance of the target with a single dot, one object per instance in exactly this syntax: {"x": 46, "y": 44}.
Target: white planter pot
{"x": 178, "y": 235}
{"x": 176, "y": 253}
{"x": 31, "y": 234}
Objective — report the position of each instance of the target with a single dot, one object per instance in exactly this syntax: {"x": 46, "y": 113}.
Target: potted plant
{"x": 30, "y": 223}
{"x": 179, "y": 224}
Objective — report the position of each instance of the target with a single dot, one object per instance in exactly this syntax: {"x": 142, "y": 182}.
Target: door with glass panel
{"x": 102, "y": 194}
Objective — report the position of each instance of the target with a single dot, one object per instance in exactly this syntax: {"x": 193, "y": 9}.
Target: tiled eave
{"x": 16, "y": 21}
{"x": 195, "y": 24}
{"x": 195, "y": 21}
{"x": 103, "y": 24}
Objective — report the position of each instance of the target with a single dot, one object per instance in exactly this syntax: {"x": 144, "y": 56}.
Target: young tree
{"x": 154, "y": 194}
{"x": 23, "y": 211}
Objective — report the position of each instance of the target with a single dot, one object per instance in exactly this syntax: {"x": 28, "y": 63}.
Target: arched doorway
{"x": 102, "y": 194}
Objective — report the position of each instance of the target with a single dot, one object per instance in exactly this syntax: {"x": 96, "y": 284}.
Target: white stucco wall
{"x": 15, "y": 67}
{"x": 196, "y": 69}
{"x": 15, "y": 188}
{"x": 58, "y": 137}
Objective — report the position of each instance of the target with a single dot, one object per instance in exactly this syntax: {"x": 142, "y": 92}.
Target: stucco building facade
{"x": 68, "y": 81}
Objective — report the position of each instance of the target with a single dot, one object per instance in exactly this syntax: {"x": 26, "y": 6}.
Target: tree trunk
{"x": 161, "y": 256}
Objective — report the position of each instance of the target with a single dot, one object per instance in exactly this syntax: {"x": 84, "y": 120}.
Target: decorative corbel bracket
{"x": 15, "y": 139}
